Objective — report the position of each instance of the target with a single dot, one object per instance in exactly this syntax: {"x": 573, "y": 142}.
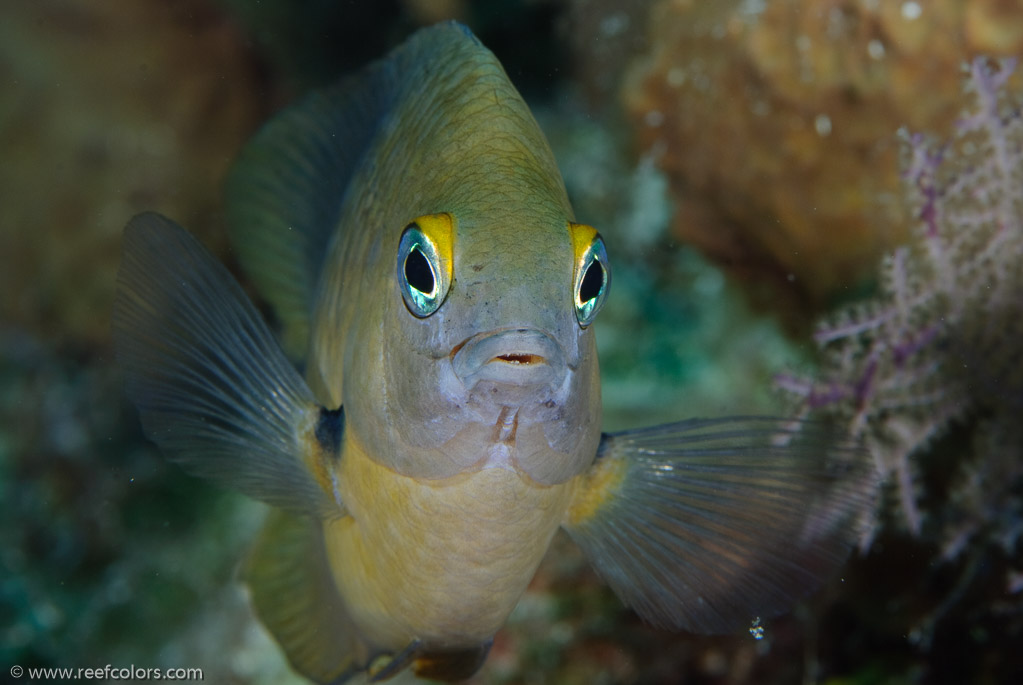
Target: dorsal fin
{"x": 287, "y": 188}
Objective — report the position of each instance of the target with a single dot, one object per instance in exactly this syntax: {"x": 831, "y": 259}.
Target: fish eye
{"x": 419, "y": 273}
{"x": 592, "y": 274}
{"x": 424, "y": 275}
{"x": 593, "y": 282}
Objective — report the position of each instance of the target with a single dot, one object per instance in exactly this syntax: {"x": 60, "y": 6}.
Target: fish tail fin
{"x": 706, "y": 525}
{"x": 213, "y": 389}
{"x": 293, "y": 593}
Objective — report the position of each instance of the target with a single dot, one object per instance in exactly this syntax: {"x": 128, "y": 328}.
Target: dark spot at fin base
{"x": 329, "y": 429}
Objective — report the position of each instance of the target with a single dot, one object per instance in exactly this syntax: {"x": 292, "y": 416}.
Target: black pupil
{"x": 593, "y": 281}
{"x": 418, "y": 273}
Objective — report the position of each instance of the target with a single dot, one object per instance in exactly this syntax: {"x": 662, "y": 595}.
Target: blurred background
{"x": 742, "y": 160}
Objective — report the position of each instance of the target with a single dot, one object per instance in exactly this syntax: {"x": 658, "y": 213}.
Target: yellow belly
{"x": 442, "y": 561}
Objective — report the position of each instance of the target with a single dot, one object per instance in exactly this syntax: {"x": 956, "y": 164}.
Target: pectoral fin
{"x": 705, "y": 525}
{"x": 213, "y": 388}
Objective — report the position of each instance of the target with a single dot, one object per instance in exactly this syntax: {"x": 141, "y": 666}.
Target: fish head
{"x": 463, "y": 289}
{"x": 495, "y": 363}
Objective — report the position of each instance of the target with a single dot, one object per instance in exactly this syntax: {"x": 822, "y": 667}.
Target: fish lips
{"x": 523, "y": 358}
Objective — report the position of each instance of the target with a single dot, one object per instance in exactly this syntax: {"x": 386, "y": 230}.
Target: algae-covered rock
{"x": 108, "y": 109}
{"x": 776, "y": 121}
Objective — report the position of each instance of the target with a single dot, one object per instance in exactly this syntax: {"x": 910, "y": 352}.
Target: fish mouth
{"x": 510, "y": 356}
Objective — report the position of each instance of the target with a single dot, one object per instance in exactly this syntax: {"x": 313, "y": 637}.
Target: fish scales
{"x": 462, "y": 579}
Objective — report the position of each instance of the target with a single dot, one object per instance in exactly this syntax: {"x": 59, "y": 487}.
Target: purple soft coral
{"x": 943, "y": 340}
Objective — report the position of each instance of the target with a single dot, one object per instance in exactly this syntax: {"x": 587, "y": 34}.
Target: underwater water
{"x": 743, "y": 162}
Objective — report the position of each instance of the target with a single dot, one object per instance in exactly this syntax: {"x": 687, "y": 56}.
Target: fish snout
{"x": 512, "y": 356}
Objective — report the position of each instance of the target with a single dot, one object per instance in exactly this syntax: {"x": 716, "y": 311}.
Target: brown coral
{"x": 776, "y": 121}
{"x": 108, "y": 110}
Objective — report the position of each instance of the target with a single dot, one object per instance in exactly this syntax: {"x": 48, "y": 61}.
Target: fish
{"x": 429, "y": 415}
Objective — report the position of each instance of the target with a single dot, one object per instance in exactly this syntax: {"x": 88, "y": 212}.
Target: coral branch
{"x": 943, "y": 341}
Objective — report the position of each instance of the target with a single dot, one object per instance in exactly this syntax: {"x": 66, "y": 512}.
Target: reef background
{"x": 743, "y": 161}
